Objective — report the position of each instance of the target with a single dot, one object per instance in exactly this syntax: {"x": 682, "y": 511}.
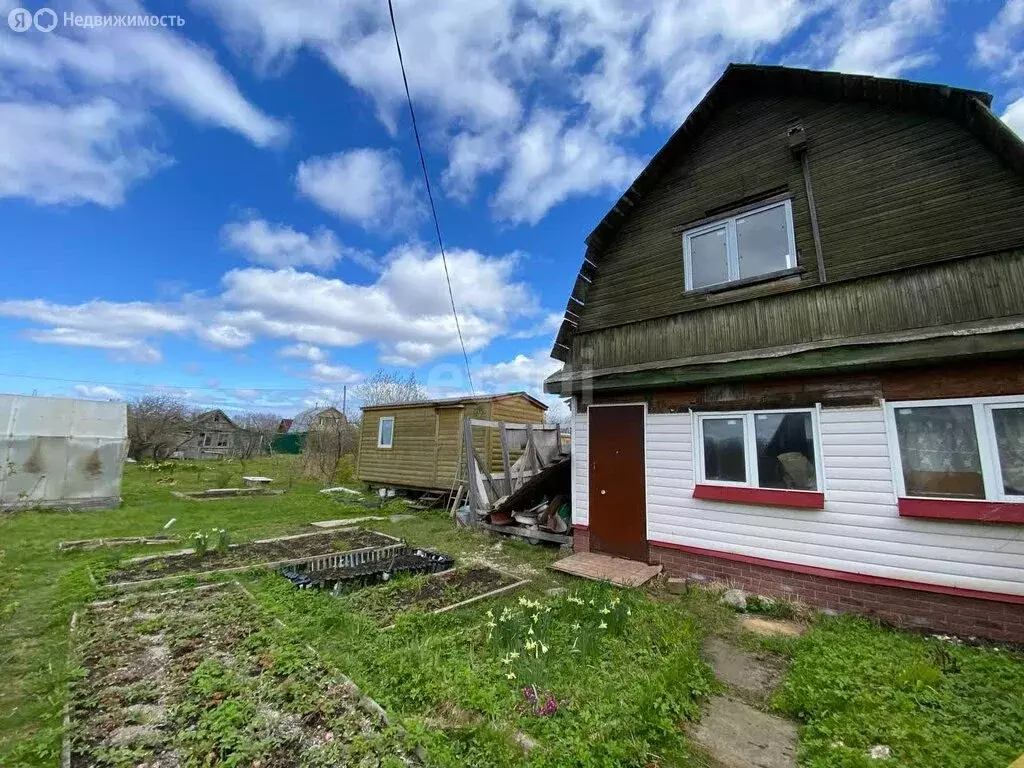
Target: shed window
{"x": 740, "y": 247}
{"x": 960, "y": 449}
{"x": 760, "y": 449}
{"x": 385, "y": 431}
{"x": 222, "y": 440}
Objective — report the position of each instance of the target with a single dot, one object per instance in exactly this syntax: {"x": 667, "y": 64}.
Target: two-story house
{"x": 794, "y": 352}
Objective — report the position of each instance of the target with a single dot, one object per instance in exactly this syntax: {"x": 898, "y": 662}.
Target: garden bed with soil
{"x": 226, "y": 493}
{"x": 358, "y": 545}
{"x": 435, "y": 593}
{"x": 202, "y": 677}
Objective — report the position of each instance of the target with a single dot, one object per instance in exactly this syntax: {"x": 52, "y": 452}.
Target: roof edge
{"x": 971, "y": 108}
{"x": 450, "y": 401}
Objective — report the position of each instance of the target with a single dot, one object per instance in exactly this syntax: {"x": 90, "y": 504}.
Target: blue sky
{"x": 231, "y": 210}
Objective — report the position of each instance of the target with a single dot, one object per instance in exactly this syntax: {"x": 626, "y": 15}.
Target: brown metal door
{"x": 618, "y": 497}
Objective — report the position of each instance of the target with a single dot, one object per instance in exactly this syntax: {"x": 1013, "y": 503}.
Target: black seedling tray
{"x": 406, "y": 560}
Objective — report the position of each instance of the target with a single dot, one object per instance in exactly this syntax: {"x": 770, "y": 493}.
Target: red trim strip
{"x": 580, "y": 527}
{"x": 950, "y": 509}
{"x": 860, "y": 578}
{"x": 765, "y": 496}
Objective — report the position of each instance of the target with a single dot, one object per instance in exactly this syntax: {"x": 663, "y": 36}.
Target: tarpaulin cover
{"x": 60, "y": 452}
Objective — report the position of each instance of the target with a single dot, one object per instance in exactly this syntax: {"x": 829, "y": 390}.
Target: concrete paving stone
{"x": 748, "y": 673}
{"x": 736, "y": 735}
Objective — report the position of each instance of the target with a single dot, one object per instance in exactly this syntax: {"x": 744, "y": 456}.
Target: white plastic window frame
{"x": 728, "y": 223}
{"x": 750, "y": 447}
{"x": 988, "y": 449}
{"x": 380, "y": 432}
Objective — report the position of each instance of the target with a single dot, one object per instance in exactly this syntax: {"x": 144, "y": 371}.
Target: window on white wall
{"x": 960, "y": 449}
{"x": 386, "y": 431}
{"x": 760, "y": 449}
{"x": 748, "y": 245}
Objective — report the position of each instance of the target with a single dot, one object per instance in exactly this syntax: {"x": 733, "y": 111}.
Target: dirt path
{"x": 736, "y": 731}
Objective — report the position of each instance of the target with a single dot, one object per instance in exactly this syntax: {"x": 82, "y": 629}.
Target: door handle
{"x": 602, "y": 491}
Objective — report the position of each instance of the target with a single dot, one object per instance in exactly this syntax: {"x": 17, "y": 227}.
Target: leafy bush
{"x": 346, "y": 472}
{"x": 224, "y": 475}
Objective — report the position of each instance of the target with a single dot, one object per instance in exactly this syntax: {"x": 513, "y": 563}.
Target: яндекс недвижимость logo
{"x": 22, "y": 20}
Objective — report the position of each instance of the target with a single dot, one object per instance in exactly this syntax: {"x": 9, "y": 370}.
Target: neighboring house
{"x": 211, "y": 435}
{"x": 794, "y": 350}
{"x": 419, "y": 445}
{"x": 61, "y": 453}
{"x": 316, "y": 418}
{"x": 284, "y": 425}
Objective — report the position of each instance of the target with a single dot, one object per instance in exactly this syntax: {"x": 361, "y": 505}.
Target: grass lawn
{"x": 613, "y": 695}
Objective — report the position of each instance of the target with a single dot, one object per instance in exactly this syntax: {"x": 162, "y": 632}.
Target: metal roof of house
{"x": 967, "y": 107}
{"x": 454, "y": 401}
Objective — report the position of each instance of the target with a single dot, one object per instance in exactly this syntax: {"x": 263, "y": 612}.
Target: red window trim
{"x": 859, "y": 578}
{"x": 770, "y": 497}
{"x": 581, "y": 527}
{"x": 960, "y": 509}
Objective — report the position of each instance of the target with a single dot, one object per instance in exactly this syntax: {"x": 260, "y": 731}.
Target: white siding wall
{"x": 580, "y": 470}
{"x": 858, "y": 531}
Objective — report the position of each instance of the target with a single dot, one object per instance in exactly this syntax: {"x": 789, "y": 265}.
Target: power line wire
{"x": 430, "y": 196}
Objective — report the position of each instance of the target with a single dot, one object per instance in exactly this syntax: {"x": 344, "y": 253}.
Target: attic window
{"x": 743, "y": 246}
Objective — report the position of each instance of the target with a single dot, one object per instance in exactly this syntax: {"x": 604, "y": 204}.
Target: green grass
{"x": 621, "y": 702}
{"x": 932, "y": 702}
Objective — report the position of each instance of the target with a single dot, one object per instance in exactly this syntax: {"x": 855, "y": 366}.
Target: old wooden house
{"x": 419, "y": 445}
{"x": 211, "y": 435}
{"x": 794, "y": 352}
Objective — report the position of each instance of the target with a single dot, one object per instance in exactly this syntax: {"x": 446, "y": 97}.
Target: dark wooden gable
{"x": 904, "y": 174}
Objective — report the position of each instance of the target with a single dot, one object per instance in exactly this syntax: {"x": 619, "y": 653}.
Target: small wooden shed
{"x": 419, "y": 445}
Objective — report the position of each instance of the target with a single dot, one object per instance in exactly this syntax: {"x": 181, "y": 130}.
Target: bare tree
{"x": 385, "y": 387}
{"x": 256, "y": 430}
{"x": 158, "y": 425}
{"x": 559, "y": 414}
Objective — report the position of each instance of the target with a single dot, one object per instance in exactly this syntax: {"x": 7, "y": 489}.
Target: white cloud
{"x": 1000, "y": 46}
{"x": 521, "y": 372}
{"x": 459, "y": 54}
{"x": 301, "y": 351}
{"x": 487, "y": 74}
{"x": 550, "y": 162}
{"x": 151, "y": 63}
{"x": 524, "y": 373}
{"x": 224, "y": 336}
{"x": 886, "y": 41}
{"x": 547, "y": 327}
{"x": 122, "y": 329}
{"x": 472, "y": 155}
{"x": 364, "y": 186}
{"x": 1014, "y": 116}
{"x": 406, "y": 312}
{"x": 278, "y": 245}
{"x": 340, "y": 374}
{"x": 122, "y": 348}
{"x": 97, "y": 392}
{"x": 72, "y": 155}
{"x": 135, "y": 317}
